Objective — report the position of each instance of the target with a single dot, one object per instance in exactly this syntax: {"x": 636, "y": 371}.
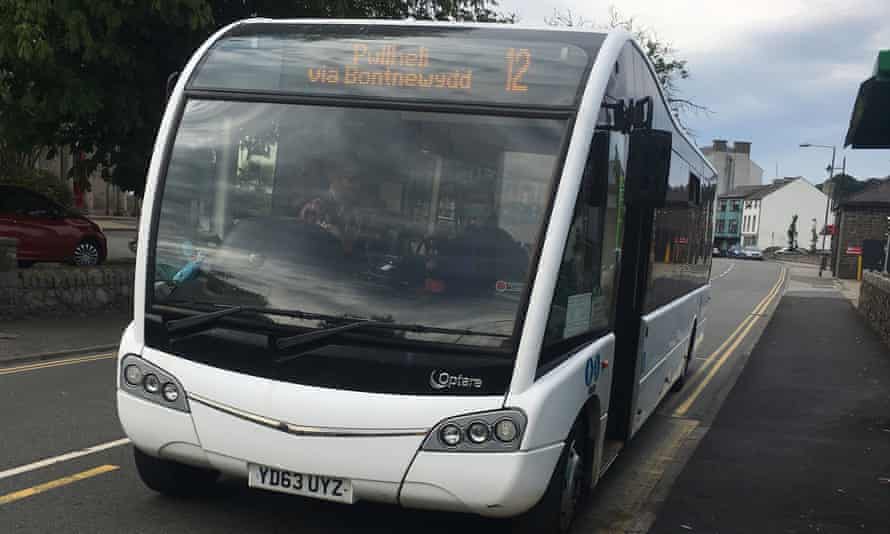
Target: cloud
{"x": 775, "y": 72}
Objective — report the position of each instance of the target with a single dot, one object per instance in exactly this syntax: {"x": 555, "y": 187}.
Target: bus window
{"x": 583, "y": 298}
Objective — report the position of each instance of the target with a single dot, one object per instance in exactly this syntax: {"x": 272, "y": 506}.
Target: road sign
{"x": 854, "y": 251}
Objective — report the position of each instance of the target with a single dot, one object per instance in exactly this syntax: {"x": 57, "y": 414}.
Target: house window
{"x": 736, "y": 205}
{"x": 722, "y": 205}
{"x": 694, "y": 190}
{"x": 721, "y": 225}
{"x": 733, "y": 227}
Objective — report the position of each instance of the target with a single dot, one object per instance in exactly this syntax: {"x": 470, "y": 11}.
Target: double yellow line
{"x": 728, "y": 347}
{"x": 59, "y": 482}
{"x": 56, "y": 363}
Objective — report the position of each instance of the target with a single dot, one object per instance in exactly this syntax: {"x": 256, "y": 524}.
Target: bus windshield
{"x": 401, "y": 216}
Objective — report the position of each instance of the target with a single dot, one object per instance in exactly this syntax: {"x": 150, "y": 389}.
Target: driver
{"x": 335, "y": 210}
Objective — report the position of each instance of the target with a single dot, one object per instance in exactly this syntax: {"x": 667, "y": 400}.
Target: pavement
{"x": 115, "y": 224}
{"x": 850, "y": 289}
{"x": 50, "y": 337}
{"x": 802, "y": 442}
{"x": 118, "y": 231}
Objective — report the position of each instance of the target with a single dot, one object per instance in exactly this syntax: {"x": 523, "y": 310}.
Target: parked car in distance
{"x": 734, "y": 251}
{"x": 791, "y": 251}
{"x": 47, "y": 231}
{"x": 716, "y": 252}
{"x": 751, "y": 253}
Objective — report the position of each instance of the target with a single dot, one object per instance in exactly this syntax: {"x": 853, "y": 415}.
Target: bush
{"x": 39, "y": 181}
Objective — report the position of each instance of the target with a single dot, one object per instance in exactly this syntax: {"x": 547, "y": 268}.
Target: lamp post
{"x": 831, "y": 185}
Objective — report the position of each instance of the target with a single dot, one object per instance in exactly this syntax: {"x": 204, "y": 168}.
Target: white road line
{"x": 726, "y": 272}
{"x": 62, "y": 458}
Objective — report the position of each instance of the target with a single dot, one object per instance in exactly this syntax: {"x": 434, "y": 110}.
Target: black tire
{"x": 87, "y": 253}
{"x": 548, "y": 516}
{"x": 173, "y": 479}
{"x": 680, "y": 382}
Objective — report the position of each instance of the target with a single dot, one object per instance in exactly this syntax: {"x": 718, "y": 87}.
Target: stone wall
{"x": 61, "y": 289}
{"x": 874, "y": 303}
{"x": 856, "y": 225}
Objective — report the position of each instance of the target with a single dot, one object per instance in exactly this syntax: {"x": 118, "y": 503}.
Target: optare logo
{"x": 446, "y": 380}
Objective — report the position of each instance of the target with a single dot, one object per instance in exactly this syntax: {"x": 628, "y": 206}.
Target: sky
{"x": 777, "y": 73}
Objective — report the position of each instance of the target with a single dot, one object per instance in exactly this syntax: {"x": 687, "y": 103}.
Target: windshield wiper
{"x": 318, "y": 335}
{"x": 205, "y": 320}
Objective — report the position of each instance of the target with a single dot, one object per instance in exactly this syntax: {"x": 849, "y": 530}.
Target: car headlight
{"x": 148, "y": 381}
{"x": 497, "y": 431}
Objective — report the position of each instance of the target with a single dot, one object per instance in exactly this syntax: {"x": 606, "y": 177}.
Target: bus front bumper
{"x": 489, "y": 484}
{"x": 388, "y": 469}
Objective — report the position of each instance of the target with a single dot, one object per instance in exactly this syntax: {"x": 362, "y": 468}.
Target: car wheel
{"x": 557, "y": 509}
{"x": 86, "y": 253}
{"x": 173, "y": 479}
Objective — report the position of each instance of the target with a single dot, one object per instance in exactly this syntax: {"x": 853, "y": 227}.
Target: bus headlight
{"x": 152, "y": 383}
{"x": 505, "y": 430}
{"x": 478, "y": 432}
{"x": 450, "y": 435}
{"x": 497, "y": 431}
{"x": 149, "y": 382}
{"x": 133, "y": 375}
{"x": 170, "y": 392}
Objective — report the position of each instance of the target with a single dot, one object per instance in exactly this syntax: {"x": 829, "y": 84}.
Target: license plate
{"x": 317, "y": 486}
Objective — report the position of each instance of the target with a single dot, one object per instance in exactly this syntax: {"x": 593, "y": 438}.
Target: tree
{"x": 841, "y": 186}
{"x": 89, "y": 75}
{"x": 792, "y": 233}
{"x": 669, "y": 68}
{"x": 814, "y": 237}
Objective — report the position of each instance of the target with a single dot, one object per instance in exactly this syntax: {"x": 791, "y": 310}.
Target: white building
{"x": 734, "y": 165}
{"x": 767, "y": 213}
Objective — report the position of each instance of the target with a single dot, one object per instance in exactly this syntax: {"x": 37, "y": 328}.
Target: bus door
{"x": 648, "y": 165}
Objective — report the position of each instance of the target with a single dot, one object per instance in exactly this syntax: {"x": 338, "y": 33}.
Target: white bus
{"x": 444, "y": 266}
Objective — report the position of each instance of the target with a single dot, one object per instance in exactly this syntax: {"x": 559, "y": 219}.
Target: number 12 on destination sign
{"x": 518, "y": 62}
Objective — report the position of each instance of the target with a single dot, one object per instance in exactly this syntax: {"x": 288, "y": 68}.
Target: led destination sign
{"x": 438, "y": 66}
{"x": 393, "y": 67}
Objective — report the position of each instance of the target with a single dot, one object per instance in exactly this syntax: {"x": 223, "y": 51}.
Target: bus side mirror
{"x": 596, "y": 170}
{"x": 648, "y": 167}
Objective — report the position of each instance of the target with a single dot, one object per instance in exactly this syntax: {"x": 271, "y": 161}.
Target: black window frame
{"x": 694, "y": 190}
{"x": 552, "y": 355}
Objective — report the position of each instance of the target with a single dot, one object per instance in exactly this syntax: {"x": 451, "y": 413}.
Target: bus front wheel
{"x": 557, "y": 509}
{"x": 172, "y": 478}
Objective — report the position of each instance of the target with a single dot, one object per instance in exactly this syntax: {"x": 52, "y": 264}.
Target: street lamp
{"x": 830, "y": 175}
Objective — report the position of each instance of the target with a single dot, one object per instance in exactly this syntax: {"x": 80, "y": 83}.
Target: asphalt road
{"x": 53, "y": 408}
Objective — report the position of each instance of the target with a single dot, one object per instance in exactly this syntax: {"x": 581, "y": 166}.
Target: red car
{"x": 48, "y": 232}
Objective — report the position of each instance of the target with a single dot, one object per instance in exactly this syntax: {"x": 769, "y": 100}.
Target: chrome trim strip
{"x": 311, "y": 431}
